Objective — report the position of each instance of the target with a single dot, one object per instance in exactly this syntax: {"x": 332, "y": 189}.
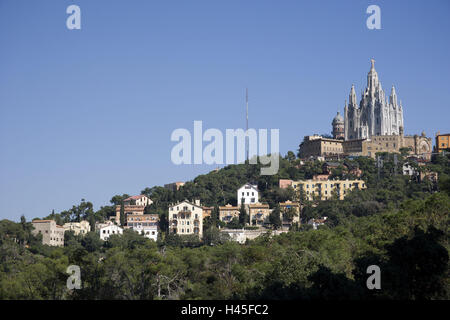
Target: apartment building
{"x": 324, "y": 190}
{"x": 228, "y": 212}
{"x": 81, "y": 227}
{"x": 186, "y": 218}
{"x": 142, "y": 220}
{"x": 52, "y": 234}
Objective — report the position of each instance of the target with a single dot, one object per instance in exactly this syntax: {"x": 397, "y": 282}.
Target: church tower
{"x": 338, "y": 127}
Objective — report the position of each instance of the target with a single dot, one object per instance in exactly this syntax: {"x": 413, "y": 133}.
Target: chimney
{"x": 197, "y": 202}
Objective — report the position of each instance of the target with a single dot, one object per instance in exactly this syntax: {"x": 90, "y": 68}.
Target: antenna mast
{"x": 246, "y": 121}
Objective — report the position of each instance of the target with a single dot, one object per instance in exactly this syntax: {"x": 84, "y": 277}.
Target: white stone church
{"x": 375, "y": 115}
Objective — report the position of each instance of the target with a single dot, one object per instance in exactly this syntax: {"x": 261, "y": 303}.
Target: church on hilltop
{"x": 375, "y": 115}
{"x": 374, "y": 125}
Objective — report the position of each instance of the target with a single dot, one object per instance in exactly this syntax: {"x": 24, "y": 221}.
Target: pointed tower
{"x": 393, "y": 97}
{"x": 351, "y": 115}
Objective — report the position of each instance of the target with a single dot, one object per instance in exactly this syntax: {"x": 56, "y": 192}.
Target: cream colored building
{"x": 318, "y": 146}
{"x": 142, "y": 220}
{"x": 228, "y": 212}
{"x": 259, "y": 214}
{"x": 207, "y": 211}
{"x": 324, "y": 190}
{"x": 81, "y": 227}
{"x": 134, "y": 205}
{"x": 186, "y": 218}
{"x": 52, "y": 234}
{"x": 418, "y": 145}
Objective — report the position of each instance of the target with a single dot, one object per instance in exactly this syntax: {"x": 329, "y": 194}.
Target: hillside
{"x": 397, "y": 223}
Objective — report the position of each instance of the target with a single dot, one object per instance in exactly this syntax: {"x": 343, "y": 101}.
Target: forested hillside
{"x": 399, "y": 223}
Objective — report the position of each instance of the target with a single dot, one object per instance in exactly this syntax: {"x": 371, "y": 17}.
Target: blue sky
{"x": 89, "y": 113}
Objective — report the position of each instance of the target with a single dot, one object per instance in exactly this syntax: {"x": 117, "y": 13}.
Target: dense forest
{"x": 399, "y": 223}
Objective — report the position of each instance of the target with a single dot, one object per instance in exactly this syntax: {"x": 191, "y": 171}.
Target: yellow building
{"x": 207, "y": 211}
{"x": 318, "y": 146}
{"x": 442, "y": 142}
{"x": 284, "y": 206}
{"x": 324, "y": 190}
{"x": 259, "y": 214}
{"x": 82, "y": 227}
{"x": 228, "y": 212}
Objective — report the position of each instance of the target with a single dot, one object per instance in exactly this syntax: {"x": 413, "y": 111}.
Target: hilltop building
{"x": 52, "y": 234}
{"x": 374, "y": 125}
{"x": 105, "y": 230}
{"x": 375, "y": 115}
{"x": 134, "y": 205}
{"x": 247, "y": 194}
{"x": 228, "y": 212}
{"x": 442, "y": 142}
{"x": 174, "y": 186}
{"x": 324, "y": 190}
{"x": 81, "y": 227}
{"x": 259, "y": 214}
{"x": 284, "y": 207}
{"x": 186, "y": 218}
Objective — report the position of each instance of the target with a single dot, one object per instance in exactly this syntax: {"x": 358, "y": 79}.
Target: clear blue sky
{"x": 88, "y": 113}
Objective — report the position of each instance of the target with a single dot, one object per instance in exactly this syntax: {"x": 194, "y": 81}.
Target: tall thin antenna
{"x": 246, "y": 119}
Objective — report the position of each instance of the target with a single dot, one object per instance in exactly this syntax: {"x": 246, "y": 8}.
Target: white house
{"x": 409, "y": 170}
{"x": 248, "y": 194}
{"x": 108, "y": 229}
{"x": 150, "y": 232}
{"x": 317, "y": 222}
{"x": 140, "y": 200}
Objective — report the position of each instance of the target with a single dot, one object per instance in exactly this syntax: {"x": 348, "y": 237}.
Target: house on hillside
{"x": 248, "y": 194}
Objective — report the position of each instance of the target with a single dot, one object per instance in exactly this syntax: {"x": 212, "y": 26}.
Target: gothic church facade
{"x": 375, "y": 115}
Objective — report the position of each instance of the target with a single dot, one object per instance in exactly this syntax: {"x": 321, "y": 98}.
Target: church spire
{"x": 352, "y": 97}
{"x": 393, "y": 97}
{"x": 372, "y": 77}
